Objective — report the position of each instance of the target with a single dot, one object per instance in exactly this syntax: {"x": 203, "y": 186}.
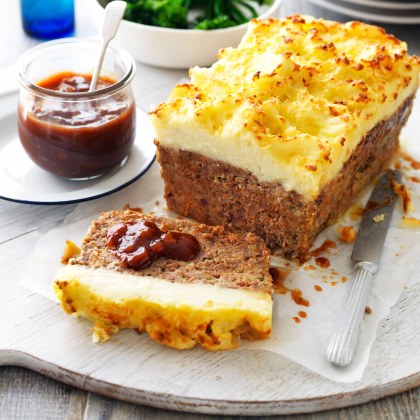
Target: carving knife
{"x": 366, "y": 254}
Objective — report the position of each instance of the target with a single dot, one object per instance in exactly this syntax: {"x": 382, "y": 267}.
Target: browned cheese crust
{"x": 226, "y": 259}
{"x": 217, "y": 193}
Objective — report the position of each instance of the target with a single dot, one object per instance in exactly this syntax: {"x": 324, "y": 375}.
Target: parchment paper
{"x": 304, "y": 342}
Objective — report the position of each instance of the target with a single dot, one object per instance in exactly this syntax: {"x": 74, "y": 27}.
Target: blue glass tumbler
{"x": 48, "y": 19}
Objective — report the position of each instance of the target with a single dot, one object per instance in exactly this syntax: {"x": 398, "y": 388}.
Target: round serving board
{"x": 36, "y": 333}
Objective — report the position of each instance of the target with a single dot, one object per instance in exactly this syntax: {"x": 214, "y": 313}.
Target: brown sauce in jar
{"x": 138, "y": 243}
{"x": 80, "y": 138}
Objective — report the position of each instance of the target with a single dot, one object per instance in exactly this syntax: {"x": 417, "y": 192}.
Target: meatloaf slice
{"x": 224, "y": 293}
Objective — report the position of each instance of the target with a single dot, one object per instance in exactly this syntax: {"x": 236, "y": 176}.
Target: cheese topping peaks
{"x": 292, "y": 102}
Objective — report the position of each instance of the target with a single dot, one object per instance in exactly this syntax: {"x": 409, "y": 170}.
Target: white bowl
{"x": 176, "y": 48}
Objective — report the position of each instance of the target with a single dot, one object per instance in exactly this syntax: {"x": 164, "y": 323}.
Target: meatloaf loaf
{"x": 281, "y": 133}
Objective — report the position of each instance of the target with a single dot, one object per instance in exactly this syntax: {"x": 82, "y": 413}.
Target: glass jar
{"x": 65, "y": 129}
{"x": 47, "y": 19}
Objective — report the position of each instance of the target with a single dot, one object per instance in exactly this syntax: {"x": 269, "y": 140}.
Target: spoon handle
{"x": 114, "y": 12}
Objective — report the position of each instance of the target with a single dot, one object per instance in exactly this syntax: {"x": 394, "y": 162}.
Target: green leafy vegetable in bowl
{"x": 209, "y": 14}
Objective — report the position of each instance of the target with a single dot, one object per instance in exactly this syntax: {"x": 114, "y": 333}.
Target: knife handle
{"x": 343, "y": 342}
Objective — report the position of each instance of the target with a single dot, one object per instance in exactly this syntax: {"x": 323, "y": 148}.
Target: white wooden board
{"x": 36, "y": 333}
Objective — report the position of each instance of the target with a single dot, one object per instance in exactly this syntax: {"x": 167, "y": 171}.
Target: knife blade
{"x": 366, "y": 254}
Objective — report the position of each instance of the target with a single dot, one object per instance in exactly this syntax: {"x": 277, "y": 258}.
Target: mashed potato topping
{"x": 174, "y": 314}
{"x": 292, "y": 102}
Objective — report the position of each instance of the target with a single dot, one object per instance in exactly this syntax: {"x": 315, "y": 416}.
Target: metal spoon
{"x": 114, "y": 12}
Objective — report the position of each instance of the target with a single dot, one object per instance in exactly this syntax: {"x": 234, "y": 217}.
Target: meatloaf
{"x": 281, "y": 133}
{"x": 214, "y": 299}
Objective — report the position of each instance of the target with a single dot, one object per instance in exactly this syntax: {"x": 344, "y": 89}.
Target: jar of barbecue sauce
{"x": 64, "y": 128}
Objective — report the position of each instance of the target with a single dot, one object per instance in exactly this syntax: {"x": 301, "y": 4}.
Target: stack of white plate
{"x": 386, "y": 11}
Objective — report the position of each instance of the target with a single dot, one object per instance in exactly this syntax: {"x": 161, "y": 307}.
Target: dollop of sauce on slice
{"x": 138, "y": 243}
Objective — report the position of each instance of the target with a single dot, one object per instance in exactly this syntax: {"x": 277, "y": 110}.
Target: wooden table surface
{"x": 28, "y": 395}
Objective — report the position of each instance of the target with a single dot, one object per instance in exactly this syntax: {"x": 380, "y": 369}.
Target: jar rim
{"x": 32, "y": 53}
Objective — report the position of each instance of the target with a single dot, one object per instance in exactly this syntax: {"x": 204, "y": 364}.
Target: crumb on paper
{"x": 347, "y": 234}
{"x": 157, "y": 203}
{"x": 368, "y": 310}
{"x": 356, "y": 212}
{"x": 410, "y": 222}
{"x": 379, "y": 218}
{"x": 402, "y": 191}
{"x": 128, "y": 207}
{"x": 70, "y": 250}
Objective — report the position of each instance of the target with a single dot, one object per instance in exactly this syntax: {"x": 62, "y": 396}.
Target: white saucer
{"x": 22, "y": 181}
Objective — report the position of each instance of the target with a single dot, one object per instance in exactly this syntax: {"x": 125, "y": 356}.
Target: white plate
{"x": 407, "y": 7}
{"x": 22, "y": 181}
{"x": 369, "y": 14}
